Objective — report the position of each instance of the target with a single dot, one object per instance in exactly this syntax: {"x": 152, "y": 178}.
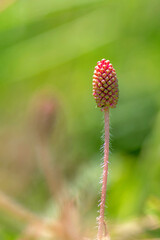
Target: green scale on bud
{"x": 105, "y": 85}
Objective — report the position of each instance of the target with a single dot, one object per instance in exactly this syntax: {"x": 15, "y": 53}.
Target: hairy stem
{"x": 101, "y": 222}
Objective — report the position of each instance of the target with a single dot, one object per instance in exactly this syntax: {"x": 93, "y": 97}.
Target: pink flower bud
{"x": 105, "y": 85}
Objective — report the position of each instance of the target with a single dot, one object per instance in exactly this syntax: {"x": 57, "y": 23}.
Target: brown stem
{"x": 10, "y": 206}
{"x": 45, "y": 161}
{"x": 105, "y": 174}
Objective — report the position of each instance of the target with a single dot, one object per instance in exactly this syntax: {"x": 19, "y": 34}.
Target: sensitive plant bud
{"x": 105, "y": 85}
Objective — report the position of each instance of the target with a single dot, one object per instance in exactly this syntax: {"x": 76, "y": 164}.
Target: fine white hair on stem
{"x": 106, "y": 93}
{"x": 104, "y": 182}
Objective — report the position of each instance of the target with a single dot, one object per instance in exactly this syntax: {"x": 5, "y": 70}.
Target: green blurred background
{"x": 53, "y": 46}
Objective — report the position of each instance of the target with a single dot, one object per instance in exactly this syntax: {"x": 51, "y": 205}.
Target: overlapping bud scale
{"x": 105, "y": 85}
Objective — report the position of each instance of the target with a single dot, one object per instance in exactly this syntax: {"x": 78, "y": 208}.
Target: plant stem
{"x": 101, "y": 222}
{"x": 22, "y": 214}
{"x": 45, "y": 161}
{"x": 10, "y": 206}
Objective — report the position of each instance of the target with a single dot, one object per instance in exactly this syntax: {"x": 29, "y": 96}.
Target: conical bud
{"x": 105, "y": 85}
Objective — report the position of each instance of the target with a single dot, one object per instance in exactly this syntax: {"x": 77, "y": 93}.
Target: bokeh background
{"x": 48, "y": 117}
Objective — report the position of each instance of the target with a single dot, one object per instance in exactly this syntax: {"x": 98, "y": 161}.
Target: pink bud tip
{"x": 105, "y": 85}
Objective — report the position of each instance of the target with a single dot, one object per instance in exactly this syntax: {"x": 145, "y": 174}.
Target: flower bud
{"x": 44, "y": 114}
{"x": 105, "y": 85}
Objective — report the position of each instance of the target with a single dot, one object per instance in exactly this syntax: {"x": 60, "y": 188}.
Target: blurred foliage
{"x": 54, "y": 46}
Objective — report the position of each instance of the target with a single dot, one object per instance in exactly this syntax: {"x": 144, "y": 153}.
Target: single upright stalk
{"x": 106, "y": 94}
{"x": 101, "y": 223}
